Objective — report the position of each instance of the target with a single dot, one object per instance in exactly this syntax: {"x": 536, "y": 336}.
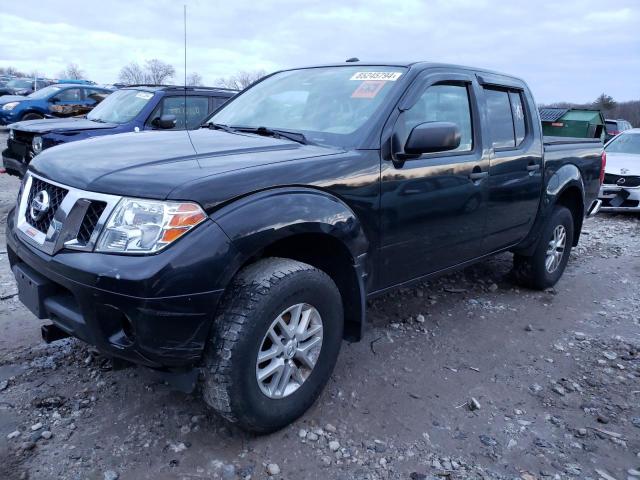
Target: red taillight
{"x": 602, "y": 167}
{"x": 614, "y": 132}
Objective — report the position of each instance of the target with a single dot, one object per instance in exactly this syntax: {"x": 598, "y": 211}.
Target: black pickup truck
{"x": 245, "y": 251}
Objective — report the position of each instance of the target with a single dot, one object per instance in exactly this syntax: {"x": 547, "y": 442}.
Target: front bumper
{"x": 619, "y": 199}
{"x": 153, "y": 310}
{"x": 7, "y": 117}
{"x": 13, "y": 166}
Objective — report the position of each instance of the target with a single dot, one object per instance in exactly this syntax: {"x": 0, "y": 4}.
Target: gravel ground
{"x": 463, "y": 377}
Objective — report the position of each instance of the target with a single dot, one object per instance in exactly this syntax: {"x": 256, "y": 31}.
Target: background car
{"x": 4, "y": 79}
{"x": 125, "y": 110}
{"x": 56, "y": 100}
{"x": 23, "y": 86}
{"x": 614, "y": 127}
{"x": 621, "y": 189}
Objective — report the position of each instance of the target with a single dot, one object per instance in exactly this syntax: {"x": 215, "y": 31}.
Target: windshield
{"x": 328, "y": 105}
{"x": 18, "y": 83}
{"x": 625, "y": 143}
{"x": 44, "y": 92}
{"x": 121, "y": 106}
{"x": 611, "y": 127}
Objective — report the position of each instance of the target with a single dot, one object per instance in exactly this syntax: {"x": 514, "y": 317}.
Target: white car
{"x": 621, "y": 189}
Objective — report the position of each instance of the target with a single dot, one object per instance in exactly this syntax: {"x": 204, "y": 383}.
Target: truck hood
{"x": 60, "y": 124}
{"x": 152, "y": 164}
{"x": 623, "y": 163}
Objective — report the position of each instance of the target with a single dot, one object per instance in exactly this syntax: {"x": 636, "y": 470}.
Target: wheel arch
{"x": 308, "y": 225}
{"x": 565, "y": 187}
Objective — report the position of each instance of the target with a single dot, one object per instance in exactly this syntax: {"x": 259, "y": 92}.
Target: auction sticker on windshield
{"x": 384, "y": 76}
{"x": 144, "y": 95}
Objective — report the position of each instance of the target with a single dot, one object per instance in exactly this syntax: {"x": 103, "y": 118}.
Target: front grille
{"x": 90, "y": 221}
{"x": 629, "y": 180}
{"x": 23, "y": 137}
{"x": 56, "y": 195}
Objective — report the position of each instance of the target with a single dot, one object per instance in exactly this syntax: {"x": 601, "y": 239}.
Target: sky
{"x": 572, "y": 50}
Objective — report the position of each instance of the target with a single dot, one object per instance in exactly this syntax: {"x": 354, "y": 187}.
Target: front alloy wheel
{"x": 274, "y": 344}
{"x": 289, "y": 351}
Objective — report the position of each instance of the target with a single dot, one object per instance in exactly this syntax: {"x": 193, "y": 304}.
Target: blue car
{"x": 60, "y": 100}
{"x": 126, "y": 110}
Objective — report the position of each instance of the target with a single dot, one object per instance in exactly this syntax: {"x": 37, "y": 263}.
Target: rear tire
{"x": 544, "y": 268}
{"x": 260, "y": 298}
{"x": 31, "y": 116}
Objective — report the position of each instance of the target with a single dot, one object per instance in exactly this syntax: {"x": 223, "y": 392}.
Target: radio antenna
{"x": 185, "y": 49}
{"x": 186, "y": 126}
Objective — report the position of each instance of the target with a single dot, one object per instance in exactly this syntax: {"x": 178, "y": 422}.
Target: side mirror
{"x": 54, "y": 100}
{"x": 433, "y": 137}
{"x": 165, "y": 121}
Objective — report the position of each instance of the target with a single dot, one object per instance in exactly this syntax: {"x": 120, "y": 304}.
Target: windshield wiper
{"x": 99, "y": 120}
{"x": 218, "y": 126}
{"x": 276, "y": 133}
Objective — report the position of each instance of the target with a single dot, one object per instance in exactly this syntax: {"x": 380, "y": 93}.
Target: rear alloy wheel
{"x": 545, "y": 267}
{"x": 555, "y": 249}
{"x": 274, "y": 344}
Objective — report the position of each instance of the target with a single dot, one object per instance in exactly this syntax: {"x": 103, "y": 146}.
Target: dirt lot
{"x": 556, "y": 376}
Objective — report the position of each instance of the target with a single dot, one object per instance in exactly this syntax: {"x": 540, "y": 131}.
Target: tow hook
{"x": 595, "y": 207}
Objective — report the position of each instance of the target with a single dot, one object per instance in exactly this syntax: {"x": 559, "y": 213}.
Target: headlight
{"x": 10, "y": 105}
{"x": 36, "y": 144}
{"x": 12, "y": 135}
{"x": 147, "y": 226}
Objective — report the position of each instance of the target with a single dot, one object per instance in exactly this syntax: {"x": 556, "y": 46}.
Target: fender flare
{"x": 567, "y": 176}
{"x": 256, "y": 221}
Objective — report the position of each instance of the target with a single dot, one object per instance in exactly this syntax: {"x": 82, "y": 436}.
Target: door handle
{"x": 533, "y": 168}
{"x": 478, "y": 175}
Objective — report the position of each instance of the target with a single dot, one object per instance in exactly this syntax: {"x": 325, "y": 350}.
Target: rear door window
{"x": 500, "y": 118}
{"x": 507, "y": 117}
{"x": 517, "y": 110}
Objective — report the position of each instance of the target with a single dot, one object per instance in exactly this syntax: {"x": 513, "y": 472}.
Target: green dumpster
{"x": 572, "y": 122}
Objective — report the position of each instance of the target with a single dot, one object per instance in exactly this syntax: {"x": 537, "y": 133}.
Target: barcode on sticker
{"x": 385, "y": 76}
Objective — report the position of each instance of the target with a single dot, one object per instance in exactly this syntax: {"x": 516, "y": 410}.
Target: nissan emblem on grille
{"x": 39, "y": 205}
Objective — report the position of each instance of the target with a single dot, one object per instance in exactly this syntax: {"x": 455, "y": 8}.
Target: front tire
{"x": 274, "y": 344}
{"x": 544, "y": 268}
{"x": 31, "y": 116}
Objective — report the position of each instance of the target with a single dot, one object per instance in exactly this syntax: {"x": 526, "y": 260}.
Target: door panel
{"x": 69, "y": 102}
{"x": 515, "y": 179}
{"x": 432, "y": 212}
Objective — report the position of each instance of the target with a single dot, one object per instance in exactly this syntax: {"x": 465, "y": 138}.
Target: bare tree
{"x": 194, "y": 79}
{"x": 241, "y": 80}
{"x": 72, "y": 71}
{"x": 159, "y": 72}
{"x": 14, "y": 72}
{"x": 132, "y": 74}
{"x": 154, "y": 71}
